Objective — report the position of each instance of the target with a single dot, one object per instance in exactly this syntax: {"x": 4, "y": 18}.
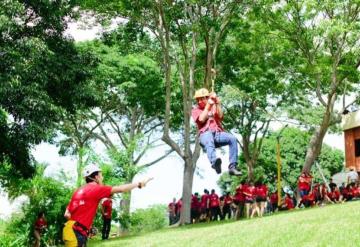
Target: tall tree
{"x": 180, "y": 26}
{"x": 77, "y": 133}
{"x": 325, "y": 37}
{"x": 41, "y": 75}
{"x": 132, "y": 100}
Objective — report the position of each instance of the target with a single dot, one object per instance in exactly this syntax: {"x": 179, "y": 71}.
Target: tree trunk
{"x": 79, "y": 166}
{"x": 250, "y": 167}
{"x": 125, "y": 212}
{"x": 187, "y": 191}
{"x": 248, "y": 158}
{"x": 317, "y": 138}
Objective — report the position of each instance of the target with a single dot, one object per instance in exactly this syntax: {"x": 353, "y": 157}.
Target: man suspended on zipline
{"x": 208, "y": 116}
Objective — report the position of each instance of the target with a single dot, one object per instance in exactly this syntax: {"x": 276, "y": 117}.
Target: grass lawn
{"x": 333, "y": 225}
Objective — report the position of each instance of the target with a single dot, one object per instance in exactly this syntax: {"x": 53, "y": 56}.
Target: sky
{"x": 168, "y": 173}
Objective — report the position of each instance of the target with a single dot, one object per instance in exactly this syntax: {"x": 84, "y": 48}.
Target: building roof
{"x": 351, "y": 120}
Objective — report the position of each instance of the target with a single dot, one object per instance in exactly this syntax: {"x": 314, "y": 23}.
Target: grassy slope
{"x": 333, "y": 225}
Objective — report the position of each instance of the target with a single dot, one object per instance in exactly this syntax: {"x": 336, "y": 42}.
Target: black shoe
{"x": 217, "y": 165}
{"x": 233, "y": 171}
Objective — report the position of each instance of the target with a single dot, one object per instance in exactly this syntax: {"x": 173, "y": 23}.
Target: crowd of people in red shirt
{"x": 321, "y": 193}
{"x": 251, "y": 200}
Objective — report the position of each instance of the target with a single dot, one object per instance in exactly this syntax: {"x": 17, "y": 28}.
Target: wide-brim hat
{"x": 202, "y": 92}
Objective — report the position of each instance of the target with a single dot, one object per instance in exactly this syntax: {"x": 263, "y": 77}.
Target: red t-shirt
{"x": 212, "y": 123}
{"x": 303, "y": 184}
{"x": 308, "y": 179}
{"x": 249, "y": 192}
{"x": 40, "y": 224}
{"x": 228, "y": 200}
{"x": 214, "y": 200}
{"x": 289, "y": 203}
{"x": 309, "y": 198}
{"x": 194, "y": 202}
{"x": 178, "y": 206}
{"x": 356, "y": 191}
{"x": 239, "y": 195}
{"x": 274, "y": 198}
{"x": 345, "y": 192}
{"x": 204, "y": 201}
{"x": 172, "y": 207}
{"x": 107, "y": 206}
{"x": 85, "y": 201}
{"x": 261, "y": 190}
{"x": 334, "y": 196}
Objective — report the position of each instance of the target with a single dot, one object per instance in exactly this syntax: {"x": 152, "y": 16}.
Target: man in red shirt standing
{"x": 304, "y": 184}
{"x": 274, "y": 201}
{"x": 214, "y": 206}
{"x": 195, "y": 208}
{"x": 208, "y": 116}
{"x": 204, "y": 205}
{"x": 228, "y": 200}
{"x": 261, "y": 192}
{"x": 172, "y": 212}
{"x": 40, "y": 226}
{"x": 239, "y": 201}
{"x": 249, "y": 192}
{"x": 81, "y": 210}
{"x": 106, "y": 211}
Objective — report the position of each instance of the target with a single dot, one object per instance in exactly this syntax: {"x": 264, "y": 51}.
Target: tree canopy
{"x": 42, "y": 74}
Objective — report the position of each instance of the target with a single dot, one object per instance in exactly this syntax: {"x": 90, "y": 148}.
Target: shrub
{"x": 150, "y": 219}
{"x": 47, "y": 195}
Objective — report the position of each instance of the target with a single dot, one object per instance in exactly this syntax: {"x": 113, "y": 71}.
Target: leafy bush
{"x": 44, "y": 194}
{"x": 150, "y": 219}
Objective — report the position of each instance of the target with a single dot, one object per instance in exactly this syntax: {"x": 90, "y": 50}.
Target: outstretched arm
{"x": 127, "y": 187}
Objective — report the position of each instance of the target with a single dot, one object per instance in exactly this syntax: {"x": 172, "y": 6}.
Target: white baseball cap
{"x": 90, "y": 169}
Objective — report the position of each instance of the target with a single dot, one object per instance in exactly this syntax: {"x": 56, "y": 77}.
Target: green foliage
{"x": 41, "y": 75}
{"x": 44, "y": 194}
{"x": 324, "y": 36}
{"x": 293, "y": 145}
{"x": 150, "y": 219}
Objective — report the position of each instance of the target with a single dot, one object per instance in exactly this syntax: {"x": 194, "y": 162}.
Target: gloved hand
{"x": 211, "y": 101}
{"x": 143, "y": 183}
{"x": 214, "y": 97}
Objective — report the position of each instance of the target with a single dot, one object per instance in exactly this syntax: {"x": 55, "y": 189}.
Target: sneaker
{"x": 233, "y": 171}
{"x": 217, "y": 165}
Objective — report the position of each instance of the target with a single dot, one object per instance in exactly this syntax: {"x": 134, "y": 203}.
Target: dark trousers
{"x": 106, "y": 228}
{"x": 274, "y": 206}
{"x": 215, "y": 213}
{"x": 226, "y": 211}
{"x": 81, "y": 239}
{"x": 172, "y": 219}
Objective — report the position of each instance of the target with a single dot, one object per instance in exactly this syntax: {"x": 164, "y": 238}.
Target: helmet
{"x": 202, "y": 92}
{"x": 287, "y": 190}
{"x": 90, "y": 169}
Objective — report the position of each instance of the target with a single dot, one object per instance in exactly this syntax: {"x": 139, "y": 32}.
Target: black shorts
{"x": 205, "y": 210}
{"x": 238, "y": 203}
{"x": 249, "y": 201}
{"x": 260, "y": 199}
